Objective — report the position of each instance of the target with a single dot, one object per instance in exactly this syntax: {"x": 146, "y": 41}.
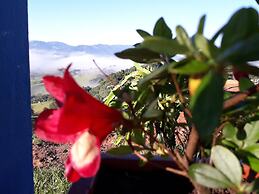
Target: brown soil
{"x": 46, "y": 154}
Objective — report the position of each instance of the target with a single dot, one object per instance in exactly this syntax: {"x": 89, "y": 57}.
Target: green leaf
{"x": 203, "y": 45}
{"x": 153, "y": 111}
{"x": 183, "y": 38}
{"x": 161, "y": 29}
{"x": 244, "y": 84}
{"x": 139, "y": 55}
{"x": 190, "y": 68}
{"x": 122, "y": 150}
{"x": 230, "y": 133}
{"x": 138, "y": 137}
{"x": 253, "y": 149}
{"x": 252, "y": 132}
{"x": 163, "y": 46}
{"x": 241, "y": 25}
{"x": 143, "y": 33}
{"x": 225, "y": 161}
{"x": 254, "y": 163}
{"x": 201, "y": 25}
{"x": 207, "y": 103}
{"x": 242, "y": 51}
{"x": 208, "y": 176}
{"x": 161, "y": 72}
{"x": 141, "y": 70}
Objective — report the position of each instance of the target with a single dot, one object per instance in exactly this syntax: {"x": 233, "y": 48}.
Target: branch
{"x": 236, "y": 99}
{"x": 169, "y": 169}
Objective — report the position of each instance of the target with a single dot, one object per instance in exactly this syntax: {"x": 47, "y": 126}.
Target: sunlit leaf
{"x": 203, "y": 45}
{"x": 183, "y": 38}
{"x": 230, "y": 134}
{"x": 163, "y": 46}
{"x": 208, "y": 176}
{"x": 253, "y": 149}
{"x": 254, "y": 163}
{"x": 252, "y": 131}
{"x": 225, "y": 161}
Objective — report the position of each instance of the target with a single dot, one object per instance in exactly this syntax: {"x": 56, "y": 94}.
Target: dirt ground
{"x": 46, "y": 154}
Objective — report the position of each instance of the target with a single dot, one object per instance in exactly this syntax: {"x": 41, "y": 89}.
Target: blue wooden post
{"x": 15, "y": 124}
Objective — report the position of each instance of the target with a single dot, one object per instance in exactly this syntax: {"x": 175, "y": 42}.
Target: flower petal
{"x": 85, "y": 155}
{"x": 55, "y": 86}
{"x": 79, "y": 115}
{"x": 46, "y": 128}
{"x": 70, "y": 173}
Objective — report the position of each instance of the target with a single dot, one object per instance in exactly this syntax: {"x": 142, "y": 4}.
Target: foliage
{"x": 175, "y": 105}
{"x": 50, "y": 181}
{"x": 224, "y": 126}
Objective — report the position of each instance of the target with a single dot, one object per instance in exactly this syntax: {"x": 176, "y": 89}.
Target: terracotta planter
{"x": 122, "y": 175}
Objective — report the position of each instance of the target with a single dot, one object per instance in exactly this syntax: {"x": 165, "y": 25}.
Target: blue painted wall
{"x": 15, "y": 124}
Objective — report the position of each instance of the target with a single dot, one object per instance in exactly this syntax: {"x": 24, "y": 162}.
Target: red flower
{"x": 81, "y": 120}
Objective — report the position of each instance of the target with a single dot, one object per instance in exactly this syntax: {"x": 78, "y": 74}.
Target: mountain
{"x": 60, "y": 47}
{"x": 49, "y": 57}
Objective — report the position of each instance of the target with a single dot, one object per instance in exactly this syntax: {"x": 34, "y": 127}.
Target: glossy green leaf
{"x": 254, "y": 163}
{"x": 161, "y": 29}
{"x": 242, "y": 51}
{"x": 201, "y": 25}
{"x": 143, "y": 33}
{"x": 163, "y": 46}
{"x": 208, "y": 176}
{"x": 122, "y": 150}
{"x": 207, "y": 103}
{"x": 252, "y": 131}
{"x": 241, "y": 25}
{"x": 139, "y": 55}
{"x": 225, "y": 161}
{"x": 253, "y": 149}
{"x": 183, "y": 38}
{"x": 190, "y": 68}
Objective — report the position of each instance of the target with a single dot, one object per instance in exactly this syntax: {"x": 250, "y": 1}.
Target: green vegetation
{"x": 50, "y": 181}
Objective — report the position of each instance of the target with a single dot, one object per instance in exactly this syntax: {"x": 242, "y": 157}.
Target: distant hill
{"x": 60, "y": 47}
{"x": 49, "y": 57}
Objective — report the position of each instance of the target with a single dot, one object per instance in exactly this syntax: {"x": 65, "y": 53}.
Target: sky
{"x": 88, "y": 22}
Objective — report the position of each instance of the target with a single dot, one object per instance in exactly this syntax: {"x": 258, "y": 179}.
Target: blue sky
{"x": 78, "y": 22}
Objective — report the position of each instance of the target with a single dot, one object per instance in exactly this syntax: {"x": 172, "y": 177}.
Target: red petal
{"x": 85, "y": 155}
{"x": 79, "y": 115}
{"x": 46, "y": 127}
{"x": 55, "y": 86}
{"x": 70, "y": 173}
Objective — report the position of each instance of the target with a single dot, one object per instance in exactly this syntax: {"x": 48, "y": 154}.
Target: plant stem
{"x": 169, "y": 169}
{"x": 240, "y": 97}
